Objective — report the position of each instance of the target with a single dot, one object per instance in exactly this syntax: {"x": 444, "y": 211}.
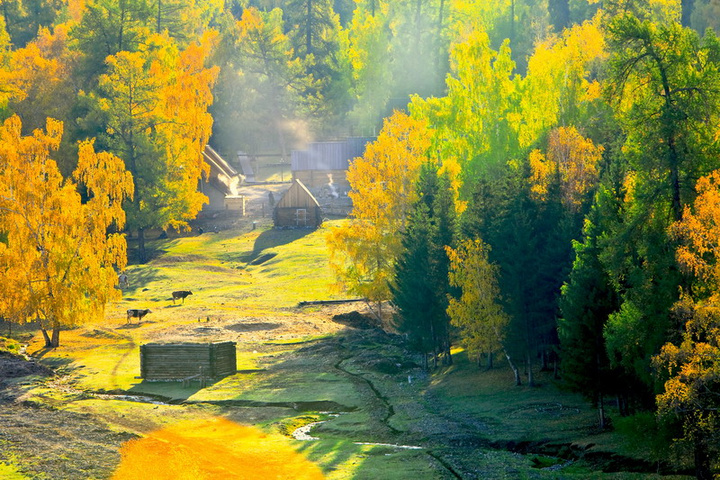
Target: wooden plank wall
{"x": 182, "y": 360}
{"x": 288, "y": 217}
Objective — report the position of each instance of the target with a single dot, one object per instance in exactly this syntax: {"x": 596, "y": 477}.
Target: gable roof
{"x": 297, "y": 196}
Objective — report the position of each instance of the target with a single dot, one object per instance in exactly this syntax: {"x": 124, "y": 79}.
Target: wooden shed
{"x": 178, "y": 361}
{"x": 298, "y": 208}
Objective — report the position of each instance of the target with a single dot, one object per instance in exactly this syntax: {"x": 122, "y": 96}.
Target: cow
{"x": 180, "y": 294}
{"x": 137, "y": 313}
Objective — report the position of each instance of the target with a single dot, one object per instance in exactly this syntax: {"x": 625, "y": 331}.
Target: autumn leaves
{"x": 57, "y": 261}
{"x": 136, "y": 121}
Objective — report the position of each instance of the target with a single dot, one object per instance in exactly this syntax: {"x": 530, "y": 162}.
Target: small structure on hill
{"x": 221, "y": 184}
{"x": 298, "y": 208}
{"x": 183, "y": 361}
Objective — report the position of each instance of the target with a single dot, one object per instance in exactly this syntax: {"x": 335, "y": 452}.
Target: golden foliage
{"x": 363, "y": 252}
{"x": 571, "y": 161}
{"x": 700, "y": 231}
{"x": 692, "y": 368}
{"x": 156, "y": 101}
{"x": 214, "y": 449}
{"x": 476, "y": 313}
{"x": 57, "y": 261}
{"x": 39, "y": 83}
{"x": 558, "y": 85}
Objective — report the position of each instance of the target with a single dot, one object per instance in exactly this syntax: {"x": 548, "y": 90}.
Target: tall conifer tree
{"x": 421, "y": 286}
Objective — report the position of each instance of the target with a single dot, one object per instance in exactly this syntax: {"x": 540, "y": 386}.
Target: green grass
{"x": 10, "y": 472}
{"x": 258, "y": 277}
{"x": 514, "y": 412}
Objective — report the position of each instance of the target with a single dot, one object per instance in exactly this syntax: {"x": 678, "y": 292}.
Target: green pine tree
{"x": 421, "y": 286}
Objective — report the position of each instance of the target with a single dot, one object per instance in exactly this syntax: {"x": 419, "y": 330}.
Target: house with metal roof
{"x": 325, "y": 163}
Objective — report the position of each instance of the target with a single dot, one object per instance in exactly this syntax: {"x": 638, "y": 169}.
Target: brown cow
{"x": 136, "y": 313}
{"x": 180, "y": 294}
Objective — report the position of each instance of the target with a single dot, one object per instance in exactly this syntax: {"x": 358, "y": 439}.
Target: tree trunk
{"x": 48, "y": 342}
{"x": 308, "y": 30}
{"x": 448, "y": 353}
{"x": 687, "y": 8}
{"x": 512, "y": 22}
{"x": 490, "y": 361}
{"x": 622, "y": 405}
{"x": 545, "y": 363}
{"x": 559, "y": 14}
{"x": 56, "y": 336}
{"x": 141, "y": 245}
{"x": 702, "y": 458}
{"x": 54, "y": 341}
{"x": 439, "y": 50}
{"x": 601, "y": 411}
{"x": 158, "y": 27}
{"x": 531, "y": 378}
{"x": 515, "y": 370}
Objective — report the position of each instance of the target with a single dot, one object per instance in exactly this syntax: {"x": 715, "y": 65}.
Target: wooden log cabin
{"x": 298, "y": 208}
{"x": 178, "y": 361}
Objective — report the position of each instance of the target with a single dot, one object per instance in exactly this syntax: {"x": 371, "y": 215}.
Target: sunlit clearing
{"x": 215, "y": 449}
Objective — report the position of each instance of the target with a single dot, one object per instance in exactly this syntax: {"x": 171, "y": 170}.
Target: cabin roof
{"x": 328, "y": 155}
{"x": 297, "y": 196}
{"x": 222, "y": 175}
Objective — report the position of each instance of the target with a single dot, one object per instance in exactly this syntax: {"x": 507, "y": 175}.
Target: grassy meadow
{"x": 376, "y": 414}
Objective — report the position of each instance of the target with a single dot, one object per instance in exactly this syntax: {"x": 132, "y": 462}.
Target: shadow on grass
{"x": 139, "y": 278}
{"x": 172, "y": 392}
{"x": 129, "y": 326}
{"x": 153, "y": 250}
{"x": 253, "y": 326}
{"x": 267, "y": 240}
{"x": 45, "y": 354}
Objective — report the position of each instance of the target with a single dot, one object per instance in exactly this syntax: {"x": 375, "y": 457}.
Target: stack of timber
{"x": 178, "y": 361}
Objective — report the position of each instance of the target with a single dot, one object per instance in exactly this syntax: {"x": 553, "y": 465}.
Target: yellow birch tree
{"x": 363, "y": 252}
{"x": 476, "y": 312}
{"x": 57, "y": 260}
{"x": 692, "y": 365}
{"x": 155, "y": 104}
{"x": 571, "y": 163}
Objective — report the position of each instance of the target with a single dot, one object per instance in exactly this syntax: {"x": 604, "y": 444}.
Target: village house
{"x": 297, "y": 208}
{"x": 325, "y": 164}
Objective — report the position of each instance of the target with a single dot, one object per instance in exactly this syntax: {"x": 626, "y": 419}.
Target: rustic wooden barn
{"x": 297, "y": 208}
{"x": 178, "y": 361}
{"x": 221, "y": 184}
{"x": 325, "y": 163}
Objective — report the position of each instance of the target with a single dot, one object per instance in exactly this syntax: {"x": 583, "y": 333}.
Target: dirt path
{"x": 57, "y": 444}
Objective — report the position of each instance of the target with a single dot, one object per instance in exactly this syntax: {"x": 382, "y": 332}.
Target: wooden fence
{"x": 180, "y": 361}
